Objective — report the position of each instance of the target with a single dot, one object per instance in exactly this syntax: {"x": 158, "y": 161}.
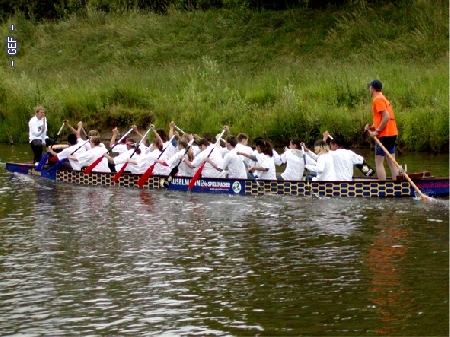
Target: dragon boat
{"x": 358, "y": 187}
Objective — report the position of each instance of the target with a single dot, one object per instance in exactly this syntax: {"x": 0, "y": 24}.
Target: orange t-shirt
{"x": 380, "y": 104}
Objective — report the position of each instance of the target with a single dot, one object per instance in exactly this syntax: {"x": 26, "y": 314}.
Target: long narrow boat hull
{"x": 359, "y": 187}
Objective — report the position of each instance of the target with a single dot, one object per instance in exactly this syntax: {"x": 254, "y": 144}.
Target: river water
{"x": 95, "y": 261}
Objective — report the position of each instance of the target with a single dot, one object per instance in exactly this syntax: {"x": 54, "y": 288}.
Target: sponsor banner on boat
{"x": 211, "y": 185}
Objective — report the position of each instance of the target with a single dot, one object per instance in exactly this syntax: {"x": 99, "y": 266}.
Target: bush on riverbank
{"x": 276, "y": 74}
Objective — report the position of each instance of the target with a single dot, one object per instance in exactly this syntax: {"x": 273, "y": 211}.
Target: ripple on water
{"x": 97, "y": 261}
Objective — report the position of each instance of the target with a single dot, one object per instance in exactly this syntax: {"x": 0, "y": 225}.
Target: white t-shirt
{"x": 160, "y": 169}
{"x": 294, "y": 164}
{"x": 120, "y": 148}
{"x": 223, "y": 151}
{"x": 247, "y": 150}
{"x": 324, "y": 168}
{"x": 134, "y": 168}
{"x": 78, "y": 147}
{"x": 208, "y": 170}
{"x": 88, "y": 157}
{"x": 343, "y": 163}
{"x": 144, "y": 161}
{"x": 267, "y": 163}
{"x": 122, "y": 158}
{"x": 34, "y": 129}
{"x": 147, "y": 159}
{"x": 235, "y": 165}
{"x": 195, "y": 149}
{"x": 170, "y": 149}
{"x": 183, "y": 169}
{"x": 276, "y": 158}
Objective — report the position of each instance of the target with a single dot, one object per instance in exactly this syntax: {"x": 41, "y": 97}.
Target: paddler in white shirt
{"x": 293, "y": 158}
{"x": 232, "y": 162}
{"x": 208, "y": 171}
{"x": 88, "y": 157}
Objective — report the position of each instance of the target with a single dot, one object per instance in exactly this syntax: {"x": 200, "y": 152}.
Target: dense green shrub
{"x": 278, "y": 74}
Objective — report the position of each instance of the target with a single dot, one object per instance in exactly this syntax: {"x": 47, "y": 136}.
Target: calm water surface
{"x": 96, "y": 261}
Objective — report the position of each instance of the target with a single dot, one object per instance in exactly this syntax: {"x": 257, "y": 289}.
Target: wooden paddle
{"x": 419, "y": 192}
{"x": 89, "y": 169}
{"x": 122, "y": 169}
{"x": 198, "y": 173}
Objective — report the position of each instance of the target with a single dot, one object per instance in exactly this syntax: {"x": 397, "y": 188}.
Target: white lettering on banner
{"x": 180, "y": 181}
{"x": 203, "y": 183}
{"x": 214, "y": 184}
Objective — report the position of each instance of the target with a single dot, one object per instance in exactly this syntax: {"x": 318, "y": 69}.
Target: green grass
{"x": 276, "y": 74}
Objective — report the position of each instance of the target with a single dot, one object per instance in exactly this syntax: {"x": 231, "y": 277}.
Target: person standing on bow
{"x": 384, "y": 128}
{"x": 37, "y": 133}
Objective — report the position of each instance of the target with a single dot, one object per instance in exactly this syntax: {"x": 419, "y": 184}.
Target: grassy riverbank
{"x": 276, "y": 74}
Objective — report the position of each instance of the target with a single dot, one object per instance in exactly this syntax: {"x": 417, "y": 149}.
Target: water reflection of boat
{"x": 359, "y": 187}
{"x": 387, "y": 289}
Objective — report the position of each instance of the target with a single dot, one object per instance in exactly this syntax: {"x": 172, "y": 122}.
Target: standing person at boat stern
{"x": 37, "y": 133}
{"x": 384, "y": 128}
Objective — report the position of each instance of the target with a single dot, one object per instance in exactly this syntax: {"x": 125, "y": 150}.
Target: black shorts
{"x": 38, "y": 142}
{"x": 388, "y": 142}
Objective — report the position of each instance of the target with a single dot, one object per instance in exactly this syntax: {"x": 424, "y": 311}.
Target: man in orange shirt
{"x": 384, "y": 128}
